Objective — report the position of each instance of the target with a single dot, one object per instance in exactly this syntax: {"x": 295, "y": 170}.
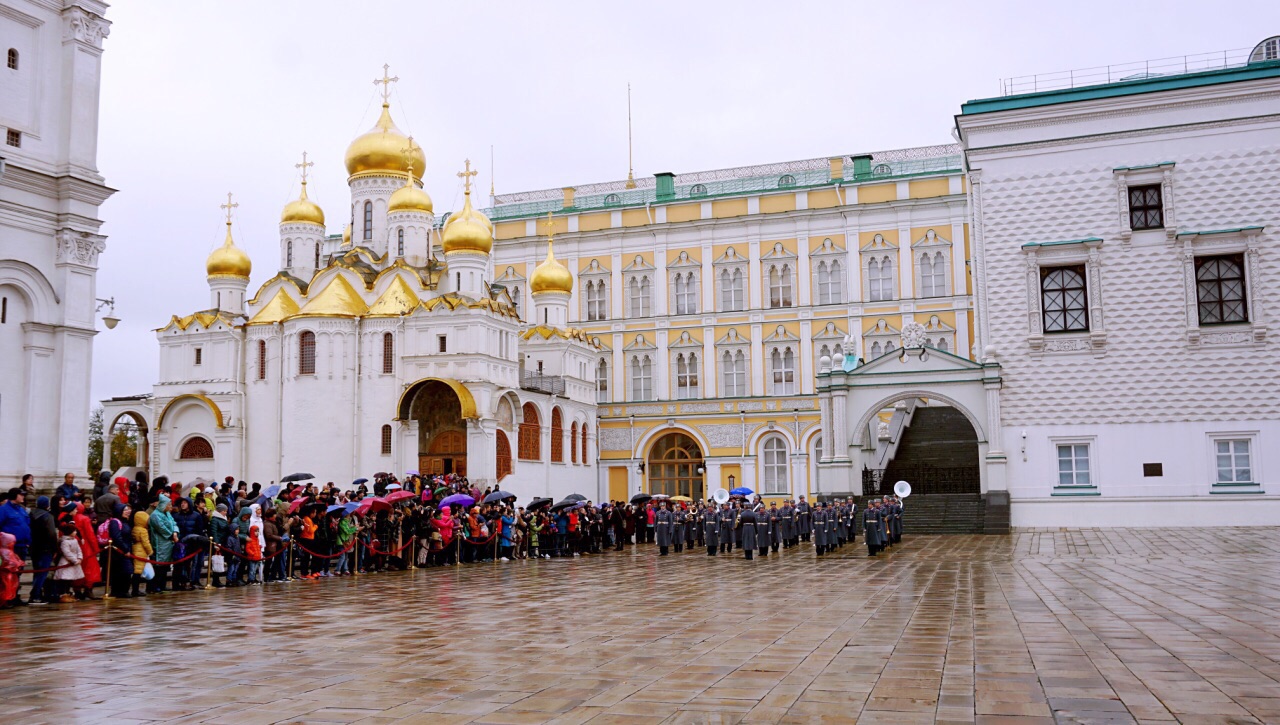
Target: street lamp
{"x": 109, "y": 319}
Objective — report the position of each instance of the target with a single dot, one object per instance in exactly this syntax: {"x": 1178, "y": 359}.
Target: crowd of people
{"x": 137, "y": 538}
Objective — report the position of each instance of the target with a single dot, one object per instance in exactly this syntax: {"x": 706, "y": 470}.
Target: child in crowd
{"x": 253, "y": 552}
{"x": 10, "y": 570}
{"x": 234, "y": 551}
{"x": 71, "y": 576}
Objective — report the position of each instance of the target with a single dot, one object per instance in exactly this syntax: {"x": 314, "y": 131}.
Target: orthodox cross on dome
{"x": 229, "y": 206}
{"x": 385, "y": 81}
{"x": 304, "y": 166}
{"x": 466, "y": 176}
{"x": 551, "y": 227}
{"x": 408, "y": 157}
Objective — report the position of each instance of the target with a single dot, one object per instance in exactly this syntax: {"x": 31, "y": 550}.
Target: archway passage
{"x": 674, "y": 466}
{"x": 442, "y": 432}
{"x": 936, "y": 452}
{"x": 127, "y": 442}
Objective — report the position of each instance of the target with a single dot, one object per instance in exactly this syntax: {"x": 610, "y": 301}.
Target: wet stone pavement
{"x": 1073, "y": 626}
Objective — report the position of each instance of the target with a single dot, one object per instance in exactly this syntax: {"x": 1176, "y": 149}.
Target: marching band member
{"x": 710, "y": 520}
{"x": 804, "y": 519}
{"x": 663, "y": 521}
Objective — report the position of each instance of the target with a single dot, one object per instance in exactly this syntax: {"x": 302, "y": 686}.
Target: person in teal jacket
{"x": 164, "y": 532}
{"x": 508, "y": 529}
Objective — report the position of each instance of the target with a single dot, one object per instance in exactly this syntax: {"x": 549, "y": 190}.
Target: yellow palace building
{"x": 713, "y": 295}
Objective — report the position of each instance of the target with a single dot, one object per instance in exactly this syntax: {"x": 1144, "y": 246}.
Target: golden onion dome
{"x": 409, "y": 198}
{"x": 551, "y": 276}
{"x": 467, "y": 231}
{"x": 228, "y": 260}
{"x": 302, "y": 210}
{"x": 382, "y": 150}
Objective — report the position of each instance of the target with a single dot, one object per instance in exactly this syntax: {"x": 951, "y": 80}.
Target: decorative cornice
{"x": 79, "y": 247}
{"x": 84, "y": 27}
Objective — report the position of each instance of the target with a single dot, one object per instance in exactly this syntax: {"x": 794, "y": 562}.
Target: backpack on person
{"x": 104, "y": 532}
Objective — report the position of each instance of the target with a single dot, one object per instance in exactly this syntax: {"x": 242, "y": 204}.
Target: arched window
{"x": 307, "y": 353}
{"x": 698, "y": 190}
{"x": 399, "y": 242}
{"x": 641, "y": 378}
{"x": 557, "y": 436}
{"x": 786, "y": 180}
{"x": 585, "y": 459}
{"x": 288, "y": 253}
{"x": 639, "y": 288}
{"x": 882, "y": 170}
{"x": 783, "y": 364}
{"x": 612, "y": 200}
{"x": 732, "y": 291}
{"x": 686, "y": 287}
{"x": 388, "y": 353}
{"x": 386, "y": 440}
{"x": 733, "y": 366}
{"x": 830, "y": 283}
{"x": 888, "y": 347}
{"x": 13, "y": 59}
{"x": 368, "y": 220}
{"x": 880, "y": 279}
{"x": 876, "y": 351}
{"x": 942, "y": 344}
{"x": 503, "y": 455}
{"x": 933, "y": 275}
{"x": 602, "y": 381}
{"x": 686, "y": 376}
{"x": 573, "y": 442}
{"x": 262, "y": 359}
{"x": 780, "y": 285}
{"x": 596, "y": 309}
{"x": 196, "y": 448}
{"x": 530, "y": 436}
{"x": 775, "y": 465}
{"x": 317, "y": 263}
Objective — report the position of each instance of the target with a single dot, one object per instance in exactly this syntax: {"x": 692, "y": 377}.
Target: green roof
{"x": 1058, "y": 244}
{"x": 1147, "y": 84}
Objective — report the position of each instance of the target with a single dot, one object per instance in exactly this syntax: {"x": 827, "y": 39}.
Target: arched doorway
{"x": 440, "y": 408}
{"x": 126, "y": 442}
{"x": 675, "y": 466}
{"x": 928, "y": 443}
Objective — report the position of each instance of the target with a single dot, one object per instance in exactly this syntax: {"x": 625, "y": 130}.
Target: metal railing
{"x": 923, "y": 479}
{"x": 1123, "y": 72}
{"x": 539, "y": 383}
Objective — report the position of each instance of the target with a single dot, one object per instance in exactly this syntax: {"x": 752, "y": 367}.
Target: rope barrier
{"x": 389, "y": 553}
{"x": 327, "y": 556}
{"x": 46, "y": 569}
{"x": 188, "y": 557}
{"x": 238, "y": 555}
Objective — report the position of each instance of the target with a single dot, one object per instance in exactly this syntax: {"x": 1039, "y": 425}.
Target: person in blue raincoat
{"x": 164, "y": 533}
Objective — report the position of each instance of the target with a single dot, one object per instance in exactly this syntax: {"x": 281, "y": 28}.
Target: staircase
{"x": 940, "y": 437}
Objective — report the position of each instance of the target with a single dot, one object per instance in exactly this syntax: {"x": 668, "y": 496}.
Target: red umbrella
{"x": 297, "y": 504}
{"x": 372, "y": 503}
{"x": 395, "y": 496}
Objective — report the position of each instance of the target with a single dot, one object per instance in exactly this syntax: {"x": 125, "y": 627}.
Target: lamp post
{"x": 109, "y": 319}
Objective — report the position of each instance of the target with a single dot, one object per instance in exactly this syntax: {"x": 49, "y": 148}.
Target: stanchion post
{"x": 289, "y": 576}
{"x": 356, "y": 544}
{"x": 106, "y": 593}
{"x": 208, "y": 579}
{"x": 457, "y": 557}
{"x": 413, "y": 551}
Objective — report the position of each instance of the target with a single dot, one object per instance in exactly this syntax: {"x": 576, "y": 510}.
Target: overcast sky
{"x": 199, "y": 99}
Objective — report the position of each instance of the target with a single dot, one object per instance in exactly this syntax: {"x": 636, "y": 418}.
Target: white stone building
{"x": 1127, "y": 252}
{"x": 375, "y": 354}
{"x": 50, "y": 191}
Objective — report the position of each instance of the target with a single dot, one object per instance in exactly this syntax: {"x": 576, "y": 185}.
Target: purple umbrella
{"x": 458, "y": 499}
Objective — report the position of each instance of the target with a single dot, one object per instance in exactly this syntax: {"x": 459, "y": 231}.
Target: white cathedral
{"x": 375, "y": 353}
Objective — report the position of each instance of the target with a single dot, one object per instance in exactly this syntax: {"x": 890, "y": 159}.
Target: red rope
{"x": 238, "y": 555}
{"x": 192, "y": 555}
{"x": 327, "y": 556}
{"x": 46, "y": 569}
{"x": 480, "y": 543}
{"x": 389, "y": 553}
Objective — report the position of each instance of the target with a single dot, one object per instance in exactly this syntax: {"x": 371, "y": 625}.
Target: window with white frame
{"x": 780, "y": 285}
{"x": 686, "y": 376}
{"x": 686, "y": 293}
{"x": 602, "y": 381}
{"x": 1233, "y": 458}
{"x": 880, "y": 286}
{"x": 933, "y": 274}
{"x": 783, "y": 365}
{"x": 597, "y": 301}
{"x": 288, "y": 253}
{"x": 638, "y": 291}
{"x": 775, "y": 465}
{"x": 641, "y": 377}
{"x": 830, "y": 282}
{"x": 733, "y": 373}
{"x": 1073, "y": 465}
{"x": 733, "y": 297}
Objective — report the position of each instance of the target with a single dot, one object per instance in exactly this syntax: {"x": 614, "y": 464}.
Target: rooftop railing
{"x": 1120, "y": 73}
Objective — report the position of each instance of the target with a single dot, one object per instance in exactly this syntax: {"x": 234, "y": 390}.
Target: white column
{"x": 839, "y": 415}
{"x": 805, "y": 353}
{"x": 662, "y": 372}
{"x": 617, "y": 310}
{"x": 906, "y": 265}
{"x": 708, "y": 281}
{"x": 660, "y": 281}
{"x": 753, "y": 275}
{"x": 804, "y": 276}
{"x": 758, "y": 362}
{"x": 958, "y": 269}
{"x": 710, "y": 366}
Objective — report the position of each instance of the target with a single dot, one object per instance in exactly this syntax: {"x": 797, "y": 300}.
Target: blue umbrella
{"x": 498, "y": 496}
{"x": 741, "y": 491}
{"x": 359, "y": 481}
{"x": 336, "y": 507}
{"x": 349, "y": 507}
{"x": 458, "y": 499}
{"x": 272, "y": 490}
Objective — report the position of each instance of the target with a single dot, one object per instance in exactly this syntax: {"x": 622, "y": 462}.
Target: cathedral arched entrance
{"x": 675, "y": 466}
{"x": 440, "y": 409}
{"x": 927, "y": 442}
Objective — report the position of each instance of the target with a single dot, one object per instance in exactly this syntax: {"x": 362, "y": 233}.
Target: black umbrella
{"x": 538, "y": 503}
{"x": 499, "y": 496}
{"x": 640, "y": 498}
{"x": 359, "y": 481}
{"x": 575, "y": 497}
{"x": 564, "y": 505}
{"x": 296, "y": 477}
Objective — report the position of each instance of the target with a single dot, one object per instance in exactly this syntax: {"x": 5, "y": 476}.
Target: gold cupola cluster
{"x": 228, "y": 260}
{"x": 551, "y": 276}
{"x": 468, "y": 230}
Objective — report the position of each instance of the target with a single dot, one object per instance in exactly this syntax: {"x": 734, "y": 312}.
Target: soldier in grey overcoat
{"x": 663, "y": 521}
{"x": 763, "y": 537}
{"x": 871, "y": 527}
{"x": 775, "y": 526}
{"x": 710, "y": 522}
{"x": 747, "y": 527}
{"x": 786, "y": 520}
{"x": 818, "y": 522}
{"x": 677, "y": 527}
{"x": 728, "y": 518}
{"x": 804, "y": 516}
